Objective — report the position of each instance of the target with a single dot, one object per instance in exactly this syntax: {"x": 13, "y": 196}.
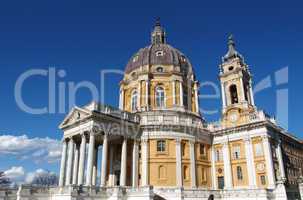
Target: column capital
{"x": 225, "y": 143}
{"x": 266, "y": 137}
{"x": 279, "y": 141}
{"x": 178, "y": 141}
{"x": 144, "y": 141}
{"x": 192, "y": 142}
{"x": 247, "y": 139}
{"x": 94, "y": 130}
{"x": 105, "y": 136}
{"x": 64, "y": 140}
{"x": 83, "y": 134}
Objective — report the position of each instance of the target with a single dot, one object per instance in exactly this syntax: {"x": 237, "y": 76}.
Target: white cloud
{"x": 36, "y": 149}
{"x": 15, "y": 174}
{"x": 18, "y": 175}
{"x": 31, "y": 175}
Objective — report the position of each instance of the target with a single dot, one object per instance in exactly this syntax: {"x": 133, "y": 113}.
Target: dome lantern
{"x": 158, "y": 36}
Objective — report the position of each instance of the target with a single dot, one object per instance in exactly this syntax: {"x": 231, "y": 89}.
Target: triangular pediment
{"x": 75, "y": 115}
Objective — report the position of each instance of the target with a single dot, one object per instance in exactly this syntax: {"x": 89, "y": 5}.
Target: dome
{"x": 159, "y": 53}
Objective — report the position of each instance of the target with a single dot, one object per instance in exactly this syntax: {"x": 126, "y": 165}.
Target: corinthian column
{"x": 145, "y": 158}
{"x": 196, "y": 98}
{"x": 213, "y": 167}
{"x": 63, "y": 163}
{"x": 193, "y": 164}
{"x": 121, "y": 99}
{"x": 139, "y": 96}
{"x": 269, "y": 162}
{"x": 227, "y": 166}
{"x": 178, "y": 163}
{"x": 135, "y": 165}
{"x": 181, "y": 93}
{"x": 89, "y": 171}
{"x": 104, "y": 161}
{"x": 69, "y": 161}
{"x": 147, "y": 94}
{"x": 76, "y": 165}
{"x": 123, "y": 163}
{"x": 95, "y": 166}
{"x": 251, "y": 93}
{"x": 250, "y": 163}
{"x": 280, "y": 160}
{"x": 174, "y": 91}
{"x": 223, "y": 96}
{"x": 82, "y": 160}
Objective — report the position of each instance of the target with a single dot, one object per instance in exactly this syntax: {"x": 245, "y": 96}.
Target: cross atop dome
{"x": 158, "y": 35}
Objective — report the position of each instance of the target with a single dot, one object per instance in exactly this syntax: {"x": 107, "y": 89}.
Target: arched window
{"x": 239, "y": 173}
{"x": 233, "y": 94}
{"x": 134, "y": 101}
{"x": 159, "y": 69}
{"x": 160, "y": 97}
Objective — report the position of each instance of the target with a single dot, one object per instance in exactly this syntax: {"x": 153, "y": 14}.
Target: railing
{"x": 110, "y": 110}
{"x": 171, "y": 118}
{"x": 257, "y": 116}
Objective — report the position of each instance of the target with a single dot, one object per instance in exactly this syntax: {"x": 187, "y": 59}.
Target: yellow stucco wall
{"x": 166, "y": 160}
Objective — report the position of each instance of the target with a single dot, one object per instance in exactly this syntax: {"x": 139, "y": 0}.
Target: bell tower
{"x": 236, "y": 87}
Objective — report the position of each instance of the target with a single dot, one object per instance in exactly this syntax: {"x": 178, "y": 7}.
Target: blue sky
{"x": 84, "y": 38}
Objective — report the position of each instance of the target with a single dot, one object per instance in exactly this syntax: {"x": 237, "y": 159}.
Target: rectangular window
{"x": 183, "y": 149}
{"x": 219, "y": 155}
{"x": 258, "y": 149}
{"x": 202, "y": 149}
{"x": 236, "y": 152}
{"x": 161, "y": 145}
{"x": 239, "y": 173}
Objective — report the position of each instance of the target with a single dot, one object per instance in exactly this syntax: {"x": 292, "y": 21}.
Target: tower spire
{"x": 158, "y": 35}
{"x": 232, "y": 52}
{"x": 158, "y": 22}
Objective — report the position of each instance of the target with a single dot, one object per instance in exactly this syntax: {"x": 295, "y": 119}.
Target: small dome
{"x": 159, "y": 53}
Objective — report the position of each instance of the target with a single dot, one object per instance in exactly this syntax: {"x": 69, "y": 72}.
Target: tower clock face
{"x": 233, "y": 117}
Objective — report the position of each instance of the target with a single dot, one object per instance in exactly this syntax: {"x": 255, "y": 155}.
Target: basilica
{"x": 157, "y": 145}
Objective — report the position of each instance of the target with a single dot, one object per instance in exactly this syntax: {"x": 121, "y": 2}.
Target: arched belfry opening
{"x": 233, "y": 94}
